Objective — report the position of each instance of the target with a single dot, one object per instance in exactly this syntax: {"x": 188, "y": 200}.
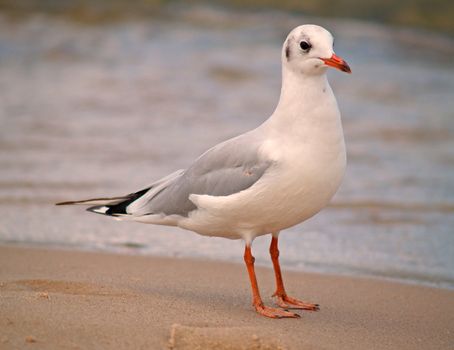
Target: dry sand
{"x": 53, "y": 299}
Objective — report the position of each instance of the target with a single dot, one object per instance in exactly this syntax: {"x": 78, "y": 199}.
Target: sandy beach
{"x": 56, "y": 299}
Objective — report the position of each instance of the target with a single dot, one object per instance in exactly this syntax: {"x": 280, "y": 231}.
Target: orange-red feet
{"x": 272, "y": 312}
{"x": 282, "y": 299}
{"x": 256, "y": 299}
{"x": 286, "y": 302}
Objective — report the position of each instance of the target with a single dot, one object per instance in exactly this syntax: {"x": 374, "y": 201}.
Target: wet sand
{"x": 55, "y": 299}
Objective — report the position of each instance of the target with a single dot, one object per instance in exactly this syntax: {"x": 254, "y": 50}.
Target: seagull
{"x": 261, "y": 182}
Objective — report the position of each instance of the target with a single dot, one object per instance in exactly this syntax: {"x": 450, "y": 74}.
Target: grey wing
{"x": 225, "y": 169}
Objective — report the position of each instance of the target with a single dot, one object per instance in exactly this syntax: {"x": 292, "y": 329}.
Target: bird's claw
{"x": 286, "y": 302}
{"x": 272, "y": 312}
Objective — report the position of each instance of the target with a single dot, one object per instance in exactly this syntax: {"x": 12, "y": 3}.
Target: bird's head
{"x": 308, "y": 49}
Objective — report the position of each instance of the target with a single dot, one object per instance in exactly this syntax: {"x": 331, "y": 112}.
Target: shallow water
{"x": 107, "y": 109}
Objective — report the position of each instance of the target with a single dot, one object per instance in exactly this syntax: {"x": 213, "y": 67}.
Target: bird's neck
{"x": 301, "y": 95}
{"x": 307, "y": 115}
{"x": 307, "y": 109}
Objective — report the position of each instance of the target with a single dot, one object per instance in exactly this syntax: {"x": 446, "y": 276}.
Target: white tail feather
{"x": 100, "y": 210}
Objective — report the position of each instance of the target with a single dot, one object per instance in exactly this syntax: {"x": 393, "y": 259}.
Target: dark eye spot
{"x": 305, "y": 46}
{"x": 287, "y": 51}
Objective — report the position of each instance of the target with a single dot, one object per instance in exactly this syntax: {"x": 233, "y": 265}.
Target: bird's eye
{"x": 305, "y": 46}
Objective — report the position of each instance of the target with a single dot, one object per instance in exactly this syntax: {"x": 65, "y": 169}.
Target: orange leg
{"x": 256, "y": 299}
{"x": 283, "y": 300}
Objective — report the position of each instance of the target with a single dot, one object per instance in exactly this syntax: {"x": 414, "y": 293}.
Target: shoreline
{"x": 61, "y": 299}
{"x": 420, "y": 280}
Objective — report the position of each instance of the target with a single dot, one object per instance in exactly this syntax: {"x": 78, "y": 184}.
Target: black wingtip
{"x": 120, "y": 208}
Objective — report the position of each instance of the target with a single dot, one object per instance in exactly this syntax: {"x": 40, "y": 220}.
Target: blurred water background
{"x": 97, "y": 106}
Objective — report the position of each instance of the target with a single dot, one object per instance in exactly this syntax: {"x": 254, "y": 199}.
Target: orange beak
{"x": 337, "y": 62}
